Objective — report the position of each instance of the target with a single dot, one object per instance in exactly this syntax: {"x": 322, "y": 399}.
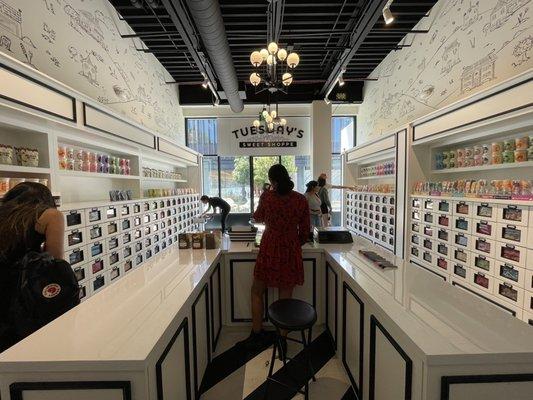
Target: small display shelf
{"x": 164, "y": 180}
{"x": 107, "y": 240}
{"x": 372, "y": 215}
{"x": 489, "y": 167}
{"x": 482, "y": 245}
{"x": 24, "y": 170}
{"x": 97, "y": 176}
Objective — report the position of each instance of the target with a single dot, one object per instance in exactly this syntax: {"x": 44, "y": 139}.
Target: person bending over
{"x": 30, "y": 222}
{"x": 214, "y": 203}
{"x": 279, "y": 264}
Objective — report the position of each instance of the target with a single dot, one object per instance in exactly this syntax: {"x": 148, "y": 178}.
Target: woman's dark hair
{"x": 280, "y": 177}
{"x": 20, "y": 209}
{"x": 310, "y": 186}
{"x": 321, "y": 182}
{"x": 204, "y": 197}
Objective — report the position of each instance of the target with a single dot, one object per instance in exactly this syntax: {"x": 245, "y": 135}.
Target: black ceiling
{"x": 322, "y": 32}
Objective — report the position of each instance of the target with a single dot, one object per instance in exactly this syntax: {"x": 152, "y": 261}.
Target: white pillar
{"x": 321, "y": 139}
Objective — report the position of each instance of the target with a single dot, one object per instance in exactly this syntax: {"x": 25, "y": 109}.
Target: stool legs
{"x": 278, "y": 347}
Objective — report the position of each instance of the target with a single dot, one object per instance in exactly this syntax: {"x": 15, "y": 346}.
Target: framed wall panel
{"x": 29, "y": 92}
{"x": 353, "y": 340}
{"x": 173, "y": 370}
{"x": 80, "y": 390}
{"x": 215, "y": 286}
{"x": 332, "y": 295}
{"x": 388, "y": 363}
{"x": 107, "y": 123}
{"x": 487, "y": 387}
{"x": 241, "y": 276}
{"x": 201, "y": 343}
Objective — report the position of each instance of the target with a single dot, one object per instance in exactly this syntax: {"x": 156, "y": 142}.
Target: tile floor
{"x": 331, "y": 382}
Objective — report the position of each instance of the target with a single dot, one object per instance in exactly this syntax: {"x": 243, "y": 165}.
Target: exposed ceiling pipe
{"x": 208, "y": 20}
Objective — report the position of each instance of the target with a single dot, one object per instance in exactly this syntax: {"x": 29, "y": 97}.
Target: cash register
{"x": 332, "y": 234}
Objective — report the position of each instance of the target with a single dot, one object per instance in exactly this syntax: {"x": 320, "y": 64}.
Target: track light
{"x": 387, "y": 14}
{"x": 341, "y": 81}
{"x": 205, "y": 84}
{"x": 217, "y": 102}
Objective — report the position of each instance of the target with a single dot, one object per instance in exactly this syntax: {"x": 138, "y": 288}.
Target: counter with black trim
{"x": 401, "y": 333}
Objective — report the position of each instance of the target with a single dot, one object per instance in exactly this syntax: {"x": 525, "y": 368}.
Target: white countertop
{"x": 125, "y": 321}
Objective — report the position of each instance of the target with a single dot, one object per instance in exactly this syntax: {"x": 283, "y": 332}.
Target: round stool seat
{"x": 292, "y": 314}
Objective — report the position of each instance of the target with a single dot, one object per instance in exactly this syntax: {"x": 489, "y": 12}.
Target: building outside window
{"x": 343, "y": 131}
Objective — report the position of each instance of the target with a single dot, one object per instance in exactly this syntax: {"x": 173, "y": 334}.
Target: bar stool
{"x": 291, "y": 315}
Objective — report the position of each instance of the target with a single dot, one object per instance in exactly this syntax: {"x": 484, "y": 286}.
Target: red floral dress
{"x": 279, "y": 262}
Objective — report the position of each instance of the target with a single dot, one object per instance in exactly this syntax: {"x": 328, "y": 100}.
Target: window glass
{"x": 299, "y": 168}
{"x": 202, "y": 135}
{"x": 335, "y": 195}
{"x": 235, "y": 183}
{"x": 210, "y": 175}
{"x": 342, "y": 133}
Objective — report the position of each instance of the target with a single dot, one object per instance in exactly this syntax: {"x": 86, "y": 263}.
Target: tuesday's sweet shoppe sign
{"x": 238, "y": 137}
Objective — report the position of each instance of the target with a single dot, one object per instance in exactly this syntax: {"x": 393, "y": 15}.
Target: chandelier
{"x": 269, "y": 118}
{"x": 274, "y": 76}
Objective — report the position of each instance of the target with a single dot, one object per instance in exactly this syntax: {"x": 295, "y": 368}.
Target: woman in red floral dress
{"x": 279, "y": 264}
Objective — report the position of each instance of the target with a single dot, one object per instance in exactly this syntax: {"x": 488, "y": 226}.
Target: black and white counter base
{"x": 151, "y": 335}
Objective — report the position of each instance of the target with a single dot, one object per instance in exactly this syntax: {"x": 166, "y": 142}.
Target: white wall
{"x": 78, "y": 43}
{"x": 471, "y": 45}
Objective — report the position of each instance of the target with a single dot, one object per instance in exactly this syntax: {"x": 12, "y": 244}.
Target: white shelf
{"x": 164, "y": 180}
{"x": 476, "y": 199}
{"x": 83, "y": 174}
{"x": 377, "y": 177}
{"x": 25, "y": 170}
{"x": 479, "y": 168}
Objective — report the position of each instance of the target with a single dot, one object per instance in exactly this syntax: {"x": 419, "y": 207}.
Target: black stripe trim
{"x": 349, "y": 395}
{"x": 447, "y": 381}
{"x": 333, "y": 336}
{"x": 73, "y": 100}
{"x": 17, "y": 389}
{"x": 228, "y": 362}
{"x": 215, "y": 335}
{"x": 183, "y": 328}
{"x": 197, "y": 378}
{"x": 232, "y": 292}
{"x": 345, "y": 290}
{"x": 313, "y": 260}
{"x": 374, "y": 323}
{"x": 294, "y": 373}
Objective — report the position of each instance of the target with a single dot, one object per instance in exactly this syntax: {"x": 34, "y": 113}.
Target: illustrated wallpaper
{"x": 78, "y": 42}
{"x": 471, "y": 45}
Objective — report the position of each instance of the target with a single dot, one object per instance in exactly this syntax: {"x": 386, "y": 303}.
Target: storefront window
{"x": 235, "y": 183}
{"x": 342, "y": 138}
{"x": 210, "y": 176}
{"x": 299, "y": 168}
{"x": 342, "y": 134}
{"x": 202, "y": 135}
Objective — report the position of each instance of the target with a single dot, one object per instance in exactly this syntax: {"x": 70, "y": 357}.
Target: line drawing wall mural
{"x": 471, "y": 45}
{"x": 78, "y": 42}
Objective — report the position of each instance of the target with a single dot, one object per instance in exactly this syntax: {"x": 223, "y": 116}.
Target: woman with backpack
{"x": 31, "y": 224}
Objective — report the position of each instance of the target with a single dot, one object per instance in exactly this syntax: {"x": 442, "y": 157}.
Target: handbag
{"x": 46, "y": 289}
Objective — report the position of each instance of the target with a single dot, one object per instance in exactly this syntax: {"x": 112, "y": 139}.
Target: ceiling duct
{"x": 208, "y": 20}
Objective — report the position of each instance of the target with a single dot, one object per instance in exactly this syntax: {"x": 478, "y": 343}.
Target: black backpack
{"x": 46, "y": 289}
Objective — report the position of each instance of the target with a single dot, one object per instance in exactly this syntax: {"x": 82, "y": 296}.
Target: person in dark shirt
{"x": 214, "y": 203}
